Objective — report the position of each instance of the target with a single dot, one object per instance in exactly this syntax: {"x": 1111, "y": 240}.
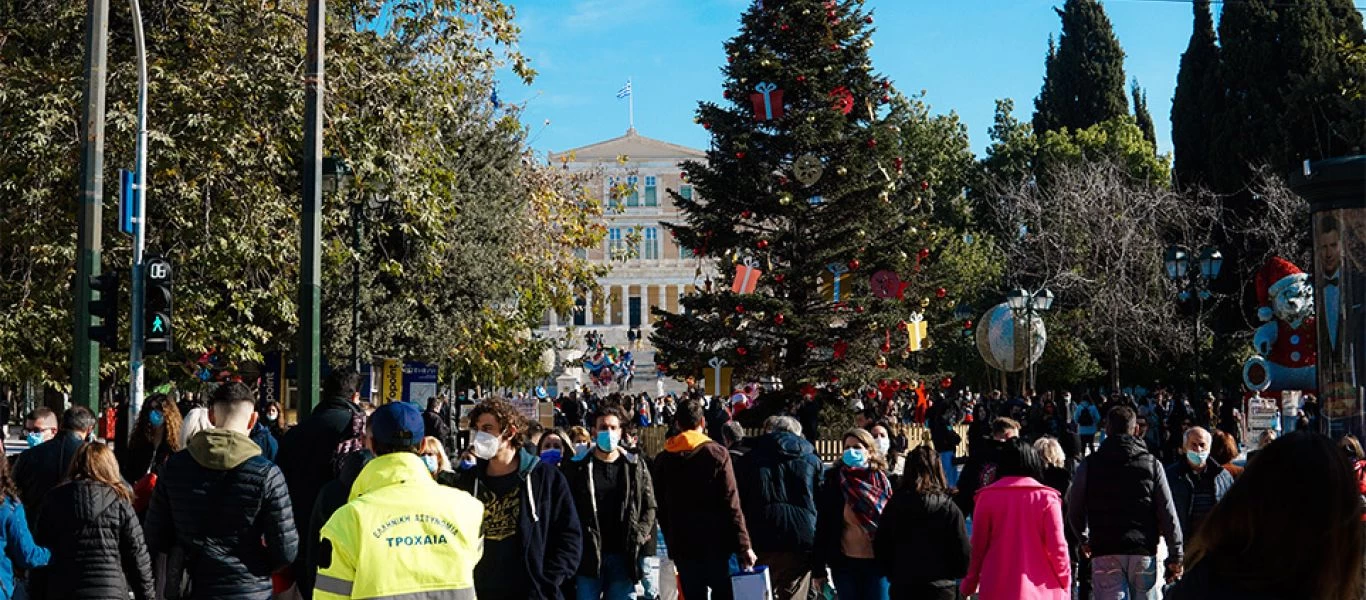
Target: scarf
{"x": 866, "y": 491}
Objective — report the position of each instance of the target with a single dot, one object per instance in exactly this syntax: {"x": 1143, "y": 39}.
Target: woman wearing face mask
{"x": 892, "y": 452}
{"x": 553, "y": 446}
{"x": 272, "y": 418}
{"x": 849, "y": 507}
{"x": 580, "y": 442}
{"x": 266, "y": 439}
{"x": 156, "y": 436}
{"x": 532, "y": 540}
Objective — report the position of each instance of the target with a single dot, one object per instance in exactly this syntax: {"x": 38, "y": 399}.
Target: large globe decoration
{"x": 1003, "y": 342}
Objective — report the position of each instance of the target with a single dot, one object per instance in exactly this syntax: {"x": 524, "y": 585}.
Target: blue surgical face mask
{"x": 155, "y": 418}
{"x": 607, "y": 440}
{"x": 580, "y": 451}
{"x": 466, "y": 465}
{"x": 431, "y": 463}
{"x": 855, "y": 457}
{"x": 551, "y": 456}
{"x": 34, "y": 438}
{"x": 1196, "y": 458}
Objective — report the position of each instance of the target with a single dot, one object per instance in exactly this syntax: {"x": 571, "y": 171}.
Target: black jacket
{"x": 778, "y": 479}
{"x": 1183, "y": 479}
{"x": 228, "y": 509}
{"x": 979, "y": 472}
{"x": 436, "y": 426}
{"x": 137, "y": 461}
{"x": 1202, "y": 583}
{"x": 41, "y": 468}
{"x": 921, "y": 541}
{"x": 97, "y": 546}
{"x": 548, "y": 526}
{"x": 638, "y": 511}
{"x": 1120, "y": 495}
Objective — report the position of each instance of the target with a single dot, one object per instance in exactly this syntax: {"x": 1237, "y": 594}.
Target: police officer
{"x": 402, "y": 534}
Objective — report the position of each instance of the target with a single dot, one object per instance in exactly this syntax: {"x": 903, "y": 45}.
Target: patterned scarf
{"x": 866, "y": 491}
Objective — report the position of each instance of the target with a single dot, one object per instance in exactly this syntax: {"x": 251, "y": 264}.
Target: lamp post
{"x": 1026, "y": 305}
{"x": 1192, "y": 279}
{"x": 308, "y": 349}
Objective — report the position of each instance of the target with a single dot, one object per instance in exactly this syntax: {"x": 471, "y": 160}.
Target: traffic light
{"x": 105, "y": 307}
{"x": 158, "y": 334}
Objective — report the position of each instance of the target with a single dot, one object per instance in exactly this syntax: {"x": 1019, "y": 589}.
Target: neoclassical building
{"x": 658, "y": 272}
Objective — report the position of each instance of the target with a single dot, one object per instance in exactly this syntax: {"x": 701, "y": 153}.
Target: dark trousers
{"x": 789, "y": 573}
{"x": 697, "y": 575}
{"x": 924, "y": 592}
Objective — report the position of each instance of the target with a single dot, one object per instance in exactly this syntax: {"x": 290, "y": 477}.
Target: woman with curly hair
{"x": 98, "y": 550}
{"x": 156, "y": 436}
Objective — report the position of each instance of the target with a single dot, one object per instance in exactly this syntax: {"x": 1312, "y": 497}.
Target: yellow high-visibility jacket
{"x": 402, "y": 535}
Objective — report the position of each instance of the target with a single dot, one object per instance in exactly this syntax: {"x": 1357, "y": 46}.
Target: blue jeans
{"x": 859, "y": 579}
{"x": 615, "y": 581}
{"x": 950, "y": 471}
{"x": 696, "y": 575}
{"x": 1124, "y": 577}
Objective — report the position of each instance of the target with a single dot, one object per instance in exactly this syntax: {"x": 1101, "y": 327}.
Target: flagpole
{"x": 631, "y": 101}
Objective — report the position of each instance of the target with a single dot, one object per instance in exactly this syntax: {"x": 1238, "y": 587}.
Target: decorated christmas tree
{"x": 811, "y": 200}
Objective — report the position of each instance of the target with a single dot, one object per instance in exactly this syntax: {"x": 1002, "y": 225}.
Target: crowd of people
{"x": 223, "y": 501}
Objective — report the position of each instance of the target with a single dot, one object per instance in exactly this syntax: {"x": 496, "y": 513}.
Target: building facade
{"x": 648, "y": 269}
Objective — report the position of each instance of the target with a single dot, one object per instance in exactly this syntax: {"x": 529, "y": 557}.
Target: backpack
{"x": 1087, "y": 418}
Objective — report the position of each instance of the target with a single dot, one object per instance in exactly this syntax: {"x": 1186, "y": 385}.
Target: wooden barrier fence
{"x": 828, "y": 448}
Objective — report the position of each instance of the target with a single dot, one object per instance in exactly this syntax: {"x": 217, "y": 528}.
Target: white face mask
{"x": 882, "y": 445}
{"x": 486, "y": 444}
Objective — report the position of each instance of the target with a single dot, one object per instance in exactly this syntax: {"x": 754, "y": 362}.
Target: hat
{"x": 397, "y": 424}
{"x": 1275, "y": 275}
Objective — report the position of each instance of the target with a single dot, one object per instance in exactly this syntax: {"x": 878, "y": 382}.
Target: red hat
{"x": 1274, "y": 276}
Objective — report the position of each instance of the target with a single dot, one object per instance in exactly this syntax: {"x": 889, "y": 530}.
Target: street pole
{"x": 309, "y": 345}
{"x": 355, "y": 290}
{"x": 85, "y": 383}
{"x": 1199, "y": 311}
{"x": 137, "y": 337}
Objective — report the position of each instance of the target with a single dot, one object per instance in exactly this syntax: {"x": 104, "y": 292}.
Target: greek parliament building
{"x": 658, "y": 272}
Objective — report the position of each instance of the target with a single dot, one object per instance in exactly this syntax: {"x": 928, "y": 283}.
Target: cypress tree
{"x": 1196, "y": 101}
{"x": 1084, "y": 81}
{"x": 1142, "y": 116}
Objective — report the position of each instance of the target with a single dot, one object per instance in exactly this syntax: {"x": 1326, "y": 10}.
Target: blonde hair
{"x": 1051, "y": 451}
{"x": 431, "y": 445}
{"x": 579, "y": 435}
{"x": 876, "y": 461}
{"x": 195, "y": 421}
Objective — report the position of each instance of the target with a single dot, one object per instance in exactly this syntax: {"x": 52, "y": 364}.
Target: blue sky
{"x": 964, "y": 53}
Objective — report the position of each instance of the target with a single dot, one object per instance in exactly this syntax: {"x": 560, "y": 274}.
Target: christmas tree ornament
{"x": 740, "y": 155}
{"x": 882, "y": 362}
{"x": 835, "y": 47}
{"x": 941, "y": 293}
{"x": 842, "y": 99}
{"x": 810, "y": 345}
{"x": 778, "y": 319}
{"x": 900, "y": 164}
{"x": 858, "y": 308}
{"x": 840, "y": 348}
{"x": 829, "y": 68}
{"x": 725, "y": 94}
{"x": 867, "y": 43}
{"x": 744, "y": 214}
{"x": 684, "y": 177}
{"x": 924, "y": 185}
{"x": 832, "y": 280}
{"x": 762, "y": 244}
{"x": 854, "y": 265}
{"x": 887, "y": 285}
{"x": 886, "y": 98}
{"x": 872, "y": 142}
{"x": 768, "y": 101}
{"x": 706, "y": 126}
{"x": 784, "y": 198}
{"x": 868, "y": 19}
{"x": 841, "y": 171}
{"x": 741, "y": 350}
{"x": 886, "y": 342}
{"x": 717, "y": 376}
{"x": 747, "y": 275}
{"x": 764, "y": 62}
{"x": 967, "y": 324}
{"x": 924, "y": 303}
{"x": 816, "y": 200}
{"x": 916, "y": 332}
{"x": 808, "y": 169}
{"x": 779, "y": 278}
{"x": 801, "y": 79}
{"x": 739, "y": 309}
{"x": 784, "y": 27}
{"x": 946, "y": 383}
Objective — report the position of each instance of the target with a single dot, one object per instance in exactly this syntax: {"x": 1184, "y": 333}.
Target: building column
{"x": 588, "y": 310}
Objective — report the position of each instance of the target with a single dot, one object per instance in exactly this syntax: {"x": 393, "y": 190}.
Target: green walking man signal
{"x": 158, "y": 322}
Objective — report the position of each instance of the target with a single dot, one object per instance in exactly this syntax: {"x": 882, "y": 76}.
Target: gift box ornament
{"x": 747, "y": 275}
{"x": 888, "y": 285}
{"x": 717, "y": 377}
{"x": 834, "y": 282}
{"x": 917, "y": 330}
{"x": 768, "y": 101}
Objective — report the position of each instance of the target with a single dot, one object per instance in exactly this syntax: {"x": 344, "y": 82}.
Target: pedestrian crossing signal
{"x": 158, "y": 324}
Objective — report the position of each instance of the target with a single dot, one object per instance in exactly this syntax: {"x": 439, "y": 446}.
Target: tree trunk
{"x": 1114, "y": 368}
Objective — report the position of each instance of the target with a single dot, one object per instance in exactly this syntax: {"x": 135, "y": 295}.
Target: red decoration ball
{"x": 785, "y": 27}
{"x": 858, "y": 309}
{"x": 730, "y": 59}
{"x": 801, "y": 79}
{"x": 810, "y": 345}
{"x": 779, "y": 277}
{"x": 899, "y": 162}
{"x": 740, "y": 155}
{"x": 946, "y": 383}
{"x": 740, "y": 309}
{"x": 886, "y": 98}
{"x": 741, "y": 351}
{"x": 835, "y": 47}
{"x": 835, "y": 380}
{"x": 886, "y": 84}
{"x": 706, "y": 126}
{"x": 924, "y": 185}
{"x": 868, "y": 20}
{"x": 924, "y": 253}
{"x": 872, "y": 143}
{"x": 762, "y": 244}
{"x": 941, "y": 292}
{"x": 725, "y": 94}
{"x": 967, "y": 324}
{"x": 668, "y": 325}
{"x": 782, "y": 181}
{"x": 854, "y": 265}
{"x": 778, "y": 319}
{"x": 744, "y": 214}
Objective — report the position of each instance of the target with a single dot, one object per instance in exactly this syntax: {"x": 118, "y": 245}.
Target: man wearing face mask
{"x": 1197, "y": 481}
{"x": 40, "y": 426}
{"x": 616, "y": 504}
{"x": 42, "y": 467}
{"x": 532, "y": 541}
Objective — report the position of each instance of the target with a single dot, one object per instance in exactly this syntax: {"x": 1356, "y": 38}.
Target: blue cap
{"x": 397, "y": 424}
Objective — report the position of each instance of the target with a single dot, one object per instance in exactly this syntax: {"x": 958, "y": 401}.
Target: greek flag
{"x": 625, "y": 91}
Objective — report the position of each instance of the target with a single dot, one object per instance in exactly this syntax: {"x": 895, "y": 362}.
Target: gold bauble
{"x": 785, "y": 199}
{"x": 924, "y": 302}
{"x": 841, "y": 171}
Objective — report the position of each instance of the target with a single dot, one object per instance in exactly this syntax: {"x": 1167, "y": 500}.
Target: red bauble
{"x": 854, "y": 265}
{"x": 706, "y": 126}
{"x": 868, "y": 19}
{"x": 740, "y": 309}
{"x": 778, "y": 319}
{"x": 730, "y": 59}
{"x": 785, "y": 27}
{"x": 941, "y": 293}
{"x": 835, "y": 47}
{"x": 668, "y": 325}
{"x": 967, "y": 324}
{"x": 744, "y": 214}
{"x": 740, "y": 155}
{"x": 811, "y": 345}
{"x": 886, "y": 98}
{"x": 663, "y": 368}
{"x": 741, "y": 351}
{"x": 725, "y": 94}
{"x": 801, "y": 79}
{"x": 946, "y": 383}
{"x": 858, "y": 308}
{"x": 924, "y": 253}
{"x": 872, "y": 143}
{"x": 779, "y": 277}
{"x": 886, "y": 84}
{"x": 762, "y": 244}
{"x": 835, "y": 380}
{"x": 899, "y": 162}
{"x": 901, "y": 326}
{"x": 782, "y": 181}
{"x": 924, "y": 185}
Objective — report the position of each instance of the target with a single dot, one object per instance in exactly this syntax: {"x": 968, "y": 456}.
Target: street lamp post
{"x": 1192, "y": 279}
{"x": 1026, "y": 304}
{"x": 308, "y": 350}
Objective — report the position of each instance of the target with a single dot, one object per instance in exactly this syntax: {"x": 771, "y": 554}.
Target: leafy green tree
{"x": 1084, "y": 76}
{"x": 872, "y": 208}
{"x": 1197, "y": 101}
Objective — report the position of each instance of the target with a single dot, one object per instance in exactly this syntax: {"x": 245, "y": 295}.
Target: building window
{"x": 581, "y": 253}
{"x": 651, "y": 191}
{"x": 650, "y": 249}
{"x": 615, "y": 244}
{"x": 633, "y": 196}
{"x": 685, "y": 191}
{"x": 685, "y": 253}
